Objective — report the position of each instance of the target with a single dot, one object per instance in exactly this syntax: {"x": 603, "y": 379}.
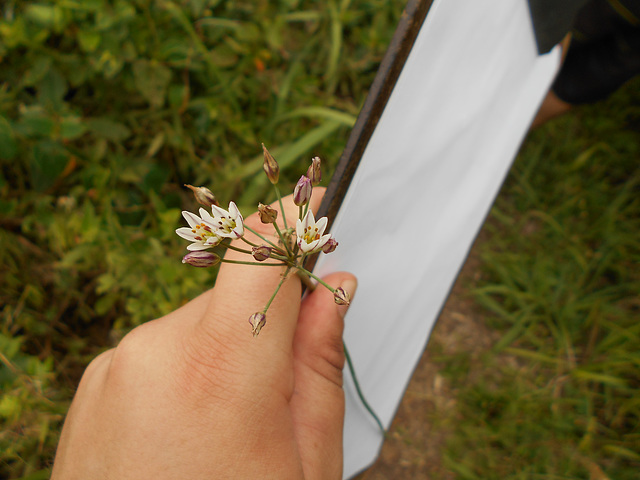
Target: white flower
{"x": 310, "y": 233}
{"x": 201, "y": 231}
{"x": 228, "y": 224}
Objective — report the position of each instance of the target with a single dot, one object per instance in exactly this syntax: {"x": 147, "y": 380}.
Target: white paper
{"x": 453, "y": 124}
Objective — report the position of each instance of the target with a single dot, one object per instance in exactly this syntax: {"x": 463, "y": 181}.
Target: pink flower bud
{"x": 271, "y": 167}
{"x": 302, "y": 191}
{"x": 267, "y": 213}
{"x": 201, "y": 258}
{"x": 314, "y": 173}
{"x": 330, "y": 246}
{"x": 203, "y": 195}
{"x": 341, "y": 297}
{"x": 257, "y": 321}
{"x": 261, "y": 253}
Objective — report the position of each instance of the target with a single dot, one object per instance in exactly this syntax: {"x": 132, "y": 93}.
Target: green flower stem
{"x": 284, "y": 277}
{"x": 248, "y": 242}
{"x": 307, "y": 281}
{"x": 237, "y": 249}
{"x": 366, "y": 405}
{"x": 263, "y": 238}
{"x": 282, "y": 258}
{"x": 284, "y": 240}
{"x": 300, "y": 261}
{"x": 306, "y": 209}
{"x": 284, "y": 216}
{"x": 318, "y": 279}
{"x": 300, "y": 214}
{"x": 240, "y": 262}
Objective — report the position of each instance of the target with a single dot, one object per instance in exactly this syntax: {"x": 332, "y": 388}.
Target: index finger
{"x": 242, "y": 290}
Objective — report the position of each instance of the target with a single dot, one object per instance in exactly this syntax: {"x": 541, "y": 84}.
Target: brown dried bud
{"x": 341, "y": 297}
{"x": 257, "y": 321}
{"x": 203, "y": 195}
{"x": 270, "y": 166}
{"x": 313, "y": 172}
{"x": 302, "y": 191}
{"x": 261, "y": 253}
{"x": 267, "y": 213}
{"x": 330, "y": 246}
{"x": 200, "y": 258}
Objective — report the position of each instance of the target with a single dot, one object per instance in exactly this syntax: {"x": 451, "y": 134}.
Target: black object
{"x": 604, "y": 52}
{"x": 552, "y": 20}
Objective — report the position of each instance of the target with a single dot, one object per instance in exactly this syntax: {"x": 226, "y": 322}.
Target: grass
{"x": 556, "y": 396}
{"x": 107, "y": 108}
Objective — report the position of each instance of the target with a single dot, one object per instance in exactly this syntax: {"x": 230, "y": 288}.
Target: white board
{"x": 448, "y": 135}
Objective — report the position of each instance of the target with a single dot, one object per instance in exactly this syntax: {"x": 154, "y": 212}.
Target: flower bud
{"x": 314, "y": 173}
{"x": 270, "y": 166}
{"x": 341, "y": 297}
{"x": 302, "y": 191}
{"x": 257, "y": 321}
{"x": 267, "y": 213}
{"x": 203, "y": 195}
{"x": 330, "y": 246}
{"x": 261, "y": 253}
{"x": 201, "y": 258}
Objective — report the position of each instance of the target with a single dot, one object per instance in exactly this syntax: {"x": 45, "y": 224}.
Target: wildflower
{"x": 228, "y": 224}
{"x": 201, "y": 259}
{"x": 270, "y": 166}
{"x": 201, "y": 231}
{"x": 330, "y": 246}
{"x": 302, "y": 191}
{"x": 314, "y": 173}
{"x": 261, "y": 253}
{"x": 203, "y": 195}
{"x": 341, "y": 297}
{"x": 310, "y": 233}
{"x": 257, "y": 321}
{"x": 267, "y": 213}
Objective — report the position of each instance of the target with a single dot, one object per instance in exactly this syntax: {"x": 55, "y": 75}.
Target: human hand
{"x": 193, "y": 395}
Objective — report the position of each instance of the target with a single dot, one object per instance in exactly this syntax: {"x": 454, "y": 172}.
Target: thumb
{"x": 317, "y": 405}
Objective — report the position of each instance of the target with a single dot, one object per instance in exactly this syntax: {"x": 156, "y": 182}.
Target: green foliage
{"x": 557, "y": 397}
{"x": 106, "y": 109}
{"x": 108, "y": 106}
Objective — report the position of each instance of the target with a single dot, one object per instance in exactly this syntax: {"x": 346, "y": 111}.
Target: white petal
{"x": 307, "y": 247}
{"x": 206, "y": 216}
{"x": 198, "y": 246}
{"x": 322, "y": 240}
{"x": 218, "y": 212}
{"x": 303, "y": 245}
{"x": 186, "y": 233}
{"x": 233, "y": 210}
{"x": 309, "y": 219}
{"x": 299, "y": 229}
{"x": 239, "y": 230}
{"x": 321, "y": 224}
{"x": 191, "y": 218}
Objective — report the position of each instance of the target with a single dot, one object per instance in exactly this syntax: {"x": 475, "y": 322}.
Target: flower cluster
{"x": 220, "y": 227}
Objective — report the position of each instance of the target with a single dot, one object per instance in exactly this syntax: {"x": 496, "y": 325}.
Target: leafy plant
{"x": 557, "y": 395}
{"x": 106, "y": 109}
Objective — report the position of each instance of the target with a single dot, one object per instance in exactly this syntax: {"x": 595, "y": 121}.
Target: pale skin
{"x": 193, "y": 395}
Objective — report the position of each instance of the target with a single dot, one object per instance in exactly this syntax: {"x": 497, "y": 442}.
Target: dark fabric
{"x": 552, "y": 20}
{"x": 604, "y": 51}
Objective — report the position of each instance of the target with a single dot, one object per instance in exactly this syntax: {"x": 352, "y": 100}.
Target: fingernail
{"x": 350, "y": 286}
